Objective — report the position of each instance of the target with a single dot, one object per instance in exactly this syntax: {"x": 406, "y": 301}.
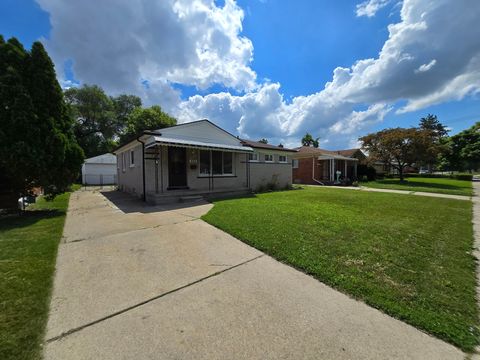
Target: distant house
{"x": 321, "y": 167}
{"x": 100, "y": 170}
{"x": 197, "y": 159}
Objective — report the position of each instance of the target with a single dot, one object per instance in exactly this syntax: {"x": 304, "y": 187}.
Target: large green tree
{"x": 397, "y": 148}
{"x": 309, "y": 140}
{"x": 123, "y": 106}
{"x": 38, "y": 147}
{"x": 142, "y": 119}
{"x": 462, "y": 151}
{"x": 434, "y": 133}
{"x": 95, "y": 122}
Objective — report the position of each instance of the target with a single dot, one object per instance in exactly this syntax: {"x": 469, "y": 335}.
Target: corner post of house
{"x": 332, "y": 173}
{"x": 156, "y": 169}
{"x": 161, "y": 169}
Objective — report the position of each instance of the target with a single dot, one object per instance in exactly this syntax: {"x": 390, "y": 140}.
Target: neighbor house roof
{"x": 349, "y": 152}
{"x": 307, "y": 151}
{"x": 310, "y": 150}
{"x": 261, "y": 145}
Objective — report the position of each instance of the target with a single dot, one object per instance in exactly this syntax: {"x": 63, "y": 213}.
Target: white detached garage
{"x": 100, "y": 170}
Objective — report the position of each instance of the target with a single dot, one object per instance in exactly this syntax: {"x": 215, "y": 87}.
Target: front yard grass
{"x": 410, "y": 256}
{"x": 434, "y": 185}
{"x": 28, "y": 248}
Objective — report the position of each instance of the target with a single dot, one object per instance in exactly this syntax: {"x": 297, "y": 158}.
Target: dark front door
{"x": 177, "y": 168}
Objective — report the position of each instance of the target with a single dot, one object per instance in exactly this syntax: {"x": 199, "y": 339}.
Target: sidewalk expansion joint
{"x": 64, "y": 239}
{"x": 120, "y": 312}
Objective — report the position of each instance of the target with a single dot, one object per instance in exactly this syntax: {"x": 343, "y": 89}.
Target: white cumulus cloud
{"x": 119, "y": 43}
{"x": 370, "y": 7}
{"x": 432, "y": 55}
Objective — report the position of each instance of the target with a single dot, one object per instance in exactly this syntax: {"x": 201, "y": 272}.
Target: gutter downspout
{"x": 144, "y": 196}
{"x": 313, "y": 172}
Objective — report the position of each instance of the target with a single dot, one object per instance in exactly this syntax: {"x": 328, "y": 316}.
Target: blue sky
{"x": 266, "y": 63}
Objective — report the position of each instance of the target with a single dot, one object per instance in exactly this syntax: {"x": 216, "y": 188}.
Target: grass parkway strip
{"x": 28, "y": 249}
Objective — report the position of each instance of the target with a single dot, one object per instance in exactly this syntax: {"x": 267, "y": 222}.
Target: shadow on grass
{"x": 28, "y": 218}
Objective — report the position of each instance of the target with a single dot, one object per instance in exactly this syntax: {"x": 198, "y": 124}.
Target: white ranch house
{"x": 198, "y": 159}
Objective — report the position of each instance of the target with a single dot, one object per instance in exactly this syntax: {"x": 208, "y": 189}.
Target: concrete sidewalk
{"x": 139, "y": 282}
{"x": 393, "y": 191}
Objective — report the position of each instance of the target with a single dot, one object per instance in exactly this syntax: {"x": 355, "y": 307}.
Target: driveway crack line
{"x": 120, "y": 312}
{"x": 126, "y": 232}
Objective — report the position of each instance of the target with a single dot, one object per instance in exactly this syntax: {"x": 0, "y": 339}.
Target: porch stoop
{"x": 184, "y": 196}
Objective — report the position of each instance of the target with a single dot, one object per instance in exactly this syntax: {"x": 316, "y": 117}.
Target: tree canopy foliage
{"x": 397, "y": 148}
{"x": 428, "y": 144}
{"x": 38, "y": 146}
{"x": 462, "y": 151}
{"x": 141, "y": 119}
{"x": 102, "y": 121}
{"x": 308, "y": 140}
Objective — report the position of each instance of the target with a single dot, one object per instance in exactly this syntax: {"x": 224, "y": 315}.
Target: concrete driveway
{"x": 141, "y": 282}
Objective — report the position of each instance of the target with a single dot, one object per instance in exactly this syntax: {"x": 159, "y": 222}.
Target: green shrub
{"x": 366, "y": 171}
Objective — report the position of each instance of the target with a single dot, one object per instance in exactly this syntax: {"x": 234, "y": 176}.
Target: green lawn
{"x": 28, "y": 248}
{"x": 409, "y": 256}
{"x": 434, "y": 185}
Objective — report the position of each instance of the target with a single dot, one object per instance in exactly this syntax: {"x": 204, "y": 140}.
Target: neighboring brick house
{"x": 322, "y": 167}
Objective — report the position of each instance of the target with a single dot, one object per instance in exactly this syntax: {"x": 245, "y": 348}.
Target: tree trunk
{"x": 400, "y": 172}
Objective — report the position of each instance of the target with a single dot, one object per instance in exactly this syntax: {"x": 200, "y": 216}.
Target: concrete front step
{"x": 194, "y": 195}
{"x": 193, "y": 198}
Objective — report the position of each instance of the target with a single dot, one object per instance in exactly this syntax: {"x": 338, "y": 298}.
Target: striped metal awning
{"x": 166, "y": 141}
{"x": 335, "y": 157}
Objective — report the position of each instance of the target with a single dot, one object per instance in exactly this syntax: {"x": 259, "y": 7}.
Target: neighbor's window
{"x": 282, "y": 158}
{"x": 132, "y": 158}
{"x": 216, "y": 163}
{"x": 268, "y": 158}
{"x": 253, "y": 157}
{"x": 295, "y": 163}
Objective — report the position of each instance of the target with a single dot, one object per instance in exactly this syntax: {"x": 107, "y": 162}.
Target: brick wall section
{"x": 303, "y": 174}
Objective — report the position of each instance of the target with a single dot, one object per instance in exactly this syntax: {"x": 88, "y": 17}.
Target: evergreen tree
{"x": 37, "y": 143}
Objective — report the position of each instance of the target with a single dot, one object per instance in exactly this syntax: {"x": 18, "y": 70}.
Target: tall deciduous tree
{"x": 463, "y": 150}
{"x": 397, "y": 148}
{"x": 95, "y": 122}
{"x": 308, "y": 140}
{"x": 123, "y": 106}
{"x": 37, "y": 143}
{"x": 142, "y": 119}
